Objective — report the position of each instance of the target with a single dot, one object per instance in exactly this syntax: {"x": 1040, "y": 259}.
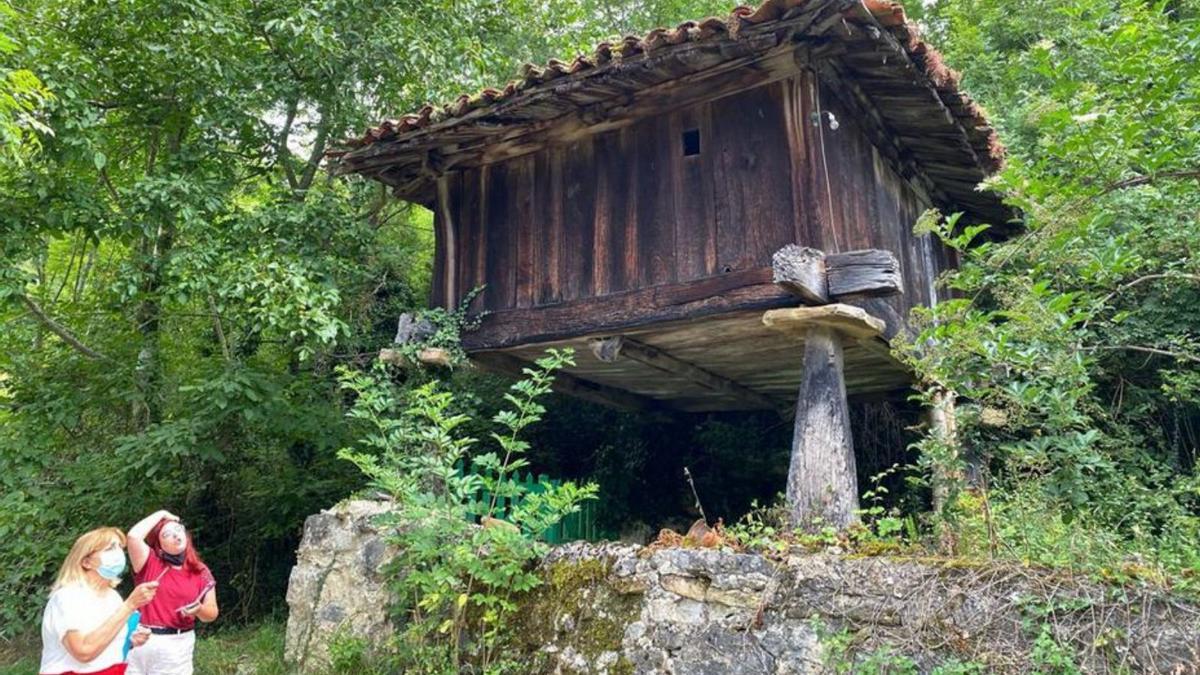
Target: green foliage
{"x": 1075, "y": 365}
{"x": 456, "y": 581}
{"x": 448, "y": 326}
{"x": 840, "y": 653}
{"x": 180, "y": 277}
{"x": 21, "y": 92}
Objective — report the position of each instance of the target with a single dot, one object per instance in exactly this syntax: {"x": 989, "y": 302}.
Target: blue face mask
{"x": 112, "y": 564}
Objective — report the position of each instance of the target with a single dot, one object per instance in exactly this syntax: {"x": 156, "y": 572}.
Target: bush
{"x": 454, "y": 580}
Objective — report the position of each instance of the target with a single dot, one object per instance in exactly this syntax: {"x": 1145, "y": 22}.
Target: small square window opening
{"x": 691, "y": 142}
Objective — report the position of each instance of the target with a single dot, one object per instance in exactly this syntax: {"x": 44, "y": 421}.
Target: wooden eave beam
{"x": 881, "y": 134}
{"x": 885, "y": 37}
{"x": 661, "y": 360}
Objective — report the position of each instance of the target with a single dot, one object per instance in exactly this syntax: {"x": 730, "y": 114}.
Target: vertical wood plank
{"x": 548, "y": 212}
{"x": 627, "y": 255}
{"x": 695, "y": 222}
{"x": 479, "y": 248}
{"x": 579, "y": 210}
{"x": 468, "y": 234}
{"x": 522, "y": 198}
{"x": 655, "y": 220}
{"x": 499, "y": 232}
{"x": 605, "y": 155}
{"x": 754, "y": 176}
{"x": 817, "y": 216}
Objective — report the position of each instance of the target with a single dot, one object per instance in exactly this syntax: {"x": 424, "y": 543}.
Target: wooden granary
{"x": 641, "y": 203}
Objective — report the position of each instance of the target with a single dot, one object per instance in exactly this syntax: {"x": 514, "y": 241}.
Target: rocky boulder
{"x": 337, "y": 591}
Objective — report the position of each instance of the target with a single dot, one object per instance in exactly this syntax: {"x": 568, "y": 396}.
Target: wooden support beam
{"x": 744, "y": 289}
{"x": 609, "y": 349}
{"x": 868, "y": 273}
{"x": 817, "y": 278}
{"x": 822, "y": 487}
{"x": 566, "y": 383}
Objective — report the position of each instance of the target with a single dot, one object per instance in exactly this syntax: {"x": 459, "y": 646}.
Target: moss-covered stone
{"x": 576, "y": 610}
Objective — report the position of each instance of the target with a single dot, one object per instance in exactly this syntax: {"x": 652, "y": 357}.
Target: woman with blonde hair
{"x": 85, "y": 623}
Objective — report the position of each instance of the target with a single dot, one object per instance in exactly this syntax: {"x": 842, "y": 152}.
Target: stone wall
{"x": 627, "y": 609}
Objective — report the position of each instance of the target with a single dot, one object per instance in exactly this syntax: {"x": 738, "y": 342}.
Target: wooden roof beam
{"x": 566, "y": 383}
{"x": 609, "y": 349}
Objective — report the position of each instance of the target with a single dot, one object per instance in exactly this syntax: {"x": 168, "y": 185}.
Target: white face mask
{"x": 174, "y": 536}
{"x": 112, "y": 564}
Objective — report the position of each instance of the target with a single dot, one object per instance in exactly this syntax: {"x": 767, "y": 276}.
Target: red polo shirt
{"x": 177, "y": 587}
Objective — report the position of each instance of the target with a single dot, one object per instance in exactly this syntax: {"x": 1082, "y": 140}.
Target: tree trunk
{"x": 943, "y": 423}
{"x": 822, "y": 484}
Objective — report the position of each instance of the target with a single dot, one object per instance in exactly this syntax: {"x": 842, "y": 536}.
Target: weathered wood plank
{"x": 579, "y": 209}
{"x": 871, "y": 272}
{"x": 499, "y": 266}
{"x": 745, "y": 290}
{"x": 522, "y": 171}
{"x": 607, "y": 162}
{"x": 822, "y": 485}
{"x": 801, "y": 270}
{"x": 695, "y": 224}
{"x": 548, "y": 238}
{"x": 655, "y": 208}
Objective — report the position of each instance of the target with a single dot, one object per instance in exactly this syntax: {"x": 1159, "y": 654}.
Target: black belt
{"x": 169, "y": 631}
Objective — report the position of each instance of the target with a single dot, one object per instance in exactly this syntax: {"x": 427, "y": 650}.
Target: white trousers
{"x": 163, "y": 655}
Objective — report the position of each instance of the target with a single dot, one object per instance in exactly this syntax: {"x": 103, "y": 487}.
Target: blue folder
{"x": 130, "y": 626}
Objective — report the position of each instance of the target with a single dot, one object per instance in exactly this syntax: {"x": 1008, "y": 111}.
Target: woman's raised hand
{"x": 142, "y": 594}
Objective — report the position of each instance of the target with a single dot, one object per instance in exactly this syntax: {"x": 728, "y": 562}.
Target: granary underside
{"x": 724, "y": 362}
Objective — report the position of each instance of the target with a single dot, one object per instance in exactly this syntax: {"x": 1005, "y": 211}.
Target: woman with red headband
{"x": 161, "y": 550}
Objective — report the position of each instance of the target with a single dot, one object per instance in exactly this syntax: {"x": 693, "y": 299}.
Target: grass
{"x": 243, "y": 650}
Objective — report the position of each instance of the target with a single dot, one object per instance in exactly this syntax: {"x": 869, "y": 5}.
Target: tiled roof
{"x": 916, "y": 95}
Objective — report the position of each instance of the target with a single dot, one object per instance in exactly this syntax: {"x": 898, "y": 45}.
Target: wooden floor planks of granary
{"x": 736, "y": 346}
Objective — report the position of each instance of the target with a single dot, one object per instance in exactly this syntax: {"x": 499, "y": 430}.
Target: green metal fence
{"x": 574, "y": 527}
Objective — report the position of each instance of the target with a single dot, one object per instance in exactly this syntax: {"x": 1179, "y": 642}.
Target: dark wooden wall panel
{"x": 655, "y": 205}
{"x": 578, "y": 221}
{"x": 522, "y": 228}
{"x": 499, "y": 233}
{"x": 691, "y": 190}
{"x": 546, "y": 223}
{"x": 752, "y": 182}
{"x": 605, "y": 249}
